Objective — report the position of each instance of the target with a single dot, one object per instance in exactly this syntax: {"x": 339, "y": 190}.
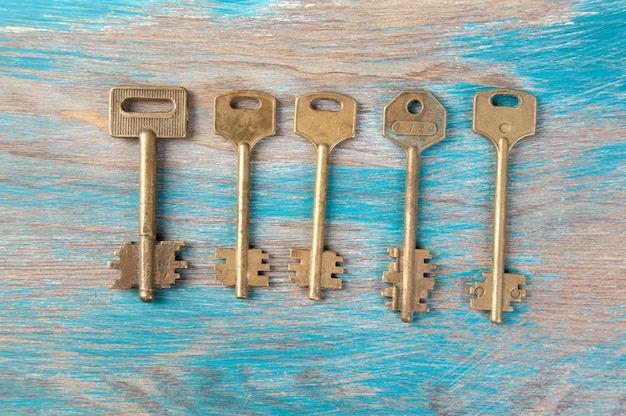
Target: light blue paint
{"x": 70, "y": 16}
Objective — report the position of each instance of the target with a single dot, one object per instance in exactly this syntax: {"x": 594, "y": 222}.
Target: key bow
{"x": 245, "y": 124}
{"x": 325, "y": 127}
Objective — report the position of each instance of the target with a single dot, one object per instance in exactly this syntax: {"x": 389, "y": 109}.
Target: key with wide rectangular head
{"x": 325, "y": 129}
{"x": 503, "y": 116}
{"x": 414, "y": 120}
{"x": 151, "y": 265}
{"x": 244, "y": 117}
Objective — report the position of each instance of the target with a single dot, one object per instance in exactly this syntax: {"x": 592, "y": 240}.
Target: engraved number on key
{"x": 503, "y": 125}
{"x": 324, "y": 129}
{"x": 414, "y": 120}
{"x": 245, "y": 126}
{"x": 149, "y": 265}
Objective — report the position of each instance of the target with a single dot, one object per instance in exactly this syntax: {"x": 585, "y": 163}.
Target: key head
{"x": 325, "y": 126}
{"x": 504, "y": 114}
{"x": 245, "y": 116}
{"x": 169, "y": 122}
{"x": 414, "y": 118}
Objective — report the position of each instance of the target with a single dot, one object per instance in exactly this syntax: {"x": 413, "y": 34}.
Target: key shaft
{"x": 147, "y": 213}
{"x": 243, "y": 219}
{"x": 319, "y": 221}
{"x": 410, "y": 234}
{"x": 499, "y": 229}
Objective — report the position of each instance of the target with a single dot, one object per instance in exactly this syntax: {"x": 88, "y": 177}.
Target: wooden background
{"x": 68, "y": 199}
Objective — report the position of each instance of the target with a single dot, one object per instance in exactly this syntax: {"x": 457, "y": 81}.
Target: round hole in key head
{"x": 326, "y": 104}
{"x": 505, "y": 100}
{"x": 148, "y": 105}
{"x": 245, "y": 103}
{"x": 414, "y": 107}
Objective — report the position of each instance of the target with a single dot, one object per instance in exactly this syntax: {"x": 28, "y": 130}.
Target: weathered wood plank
{"x": 68, "y": 199}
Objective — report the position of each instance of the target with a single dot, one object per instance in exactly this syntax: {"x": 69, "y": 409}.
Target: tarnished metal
{"x": 503, "y": 125}
{"x": 414, "y": 120}
{"x": 150, "y": 265}
{"x": 324, "y": 129}
{"x": 244, "y": 126}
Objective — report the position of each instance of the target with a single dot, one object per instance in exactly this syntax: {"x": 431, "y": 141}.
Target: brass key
{"x": 504, "y": 125}
{"x": 151, "y": 265}
{"x": 324, "y": 129}
{"x": 245, "y": 126}
{"x": 414, "y": 120}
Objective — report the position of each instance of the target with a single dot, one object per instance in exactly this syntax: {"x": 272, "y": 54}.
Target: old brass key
{"x": 414, "y": 120}
{"x": 151, "y": 265}
{"x": 245, "y": 126}
{"x": 324, "y": 129}
{"x": 504, "y": 125}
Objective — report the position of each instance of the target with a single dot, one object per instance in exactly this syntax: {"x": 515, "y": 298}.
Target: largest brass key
{"x": 151, "y": 265}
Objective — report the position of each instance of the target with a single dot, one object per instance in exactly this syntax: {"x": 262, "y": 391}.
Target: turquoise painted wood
{"x": 68, "y": 199}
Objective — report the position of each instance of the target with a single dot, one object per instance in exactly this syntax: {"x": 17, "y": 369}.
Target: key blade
{"x": 329, "y": 268}
{"x": 123, "y": 122}
{"x": 422, "y": 283}
{"x": 414, "y": 118}
{"x": 510, "y": 122}
{"x": 256, "y": 264}
{"x": 245, "y": 124}
{"x": 511, "y": 293}
{"x": 166, "y": 265}
{"x": 301, "y": 269}
{"x": 228, "y": 270}
{"x": 325, "y": 127}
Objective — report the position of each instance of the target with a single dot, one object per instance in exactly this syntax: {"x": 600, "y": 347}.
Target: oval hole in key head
{"x": 148, "y": 105}
{"x": 245, "y": 103}
{"x": 414, "y": 107}
{"x": 326, "y": 104}
{"x": 505, "y": 100}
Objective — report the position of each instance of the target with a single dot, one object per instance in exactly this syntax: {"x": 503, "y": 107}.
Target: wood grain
{"x": 68, "y": 199}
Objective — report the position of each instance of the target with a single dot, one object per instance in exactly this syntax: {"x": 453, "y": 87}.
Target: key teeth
{"x": 482, "y": 291}
{"x": 167, "y": 263}
{"x": 300, "y": 277}
{"x": 128, "y": 265}
{"x": 256, "y": 258}
{"x": 329, "y": 267}
{"x": 227, "y": 270}
{"x": 423, "y": 284}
